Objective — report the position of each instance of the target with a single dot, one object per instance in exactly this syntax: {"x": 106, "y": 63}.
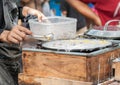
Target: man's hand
{"x": 16, "y": 35}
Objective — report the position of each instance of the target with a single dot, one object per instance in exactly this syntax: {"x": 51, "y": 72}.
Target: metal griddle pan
{"x": 76, "y": 45}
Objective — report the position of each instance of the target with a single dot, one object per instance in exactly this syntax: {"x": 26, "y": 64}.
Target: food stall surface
{"x": 93, "y": 65}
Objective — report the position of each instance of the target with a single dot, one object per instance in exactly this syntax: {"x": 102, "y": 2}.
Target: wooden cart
{"x": 41, "y": 65}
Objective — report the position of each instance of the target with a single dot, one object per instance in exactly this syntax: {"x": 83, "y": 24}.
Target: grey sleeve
{"x": 1, "y": 30}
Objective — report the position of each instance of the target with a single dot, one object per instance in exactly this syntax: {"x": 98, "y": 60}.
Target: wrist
{"x": 3, "y": 36}
{"x": 97, "y": 21}
{"x": 0, "y": 34}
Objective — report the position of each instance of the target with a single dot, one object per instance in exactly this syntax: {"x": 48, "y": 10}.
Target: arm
{"x": 28, "y": 10}
{"x": 18, "y": 33}
{"x": 85, "y": 10}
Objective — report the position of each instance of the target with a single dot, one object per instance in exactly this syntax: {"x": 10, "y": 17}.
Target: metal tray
{"x": 107, "y": 31}
{"x": 103, "y": 34}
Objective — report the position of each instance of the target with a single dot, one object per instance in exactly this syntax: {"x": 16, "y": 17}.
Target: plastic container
{"x": 53, "y": 28}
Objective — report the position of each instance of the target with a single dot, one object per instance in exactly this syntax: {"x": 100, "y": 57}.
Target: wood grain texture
{"x": 99, "y": 68}
{"x": 80, "y": 68}
{"x": 54, "y": 65}
{"x": 117, "y": 70}
{"x": 30, "y": 80}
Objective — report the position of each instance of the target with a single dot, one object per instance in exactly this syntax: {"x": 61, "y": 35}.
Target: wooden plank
{"x": 117, "y": 70}
{"x": 54, "y": 65}
{"x": 30, "y": 80}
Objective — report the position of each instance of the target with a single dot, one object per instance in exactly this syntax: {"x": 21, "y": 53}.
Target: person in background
{"x": 69, "y": 11}
{"x": 11, "y": 35}
{"x": 107, "y": 10}
{"x": 46, "y": 8}
{"x": 36, "y": 4}
{"x": 92, "y": 7}
{"x": 55, "y": 7}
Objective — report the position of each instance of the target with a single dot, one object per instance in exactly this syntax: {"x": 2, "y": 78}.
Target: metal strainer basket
{"x": 107, "y": 31}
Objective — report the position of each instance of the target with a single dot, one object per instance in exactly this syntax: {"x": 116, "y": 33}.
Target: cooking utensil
{"x": 59, "y": 27}
{"x": 44, "y": 37}
{"x": 76, "y": 45}
{"x": 107, "y": 31}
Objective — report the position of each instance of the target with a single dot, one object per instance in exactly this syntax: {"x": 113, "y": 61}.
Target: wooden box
{"x": 66, "y": 66}
{"x": 116, "y": 66}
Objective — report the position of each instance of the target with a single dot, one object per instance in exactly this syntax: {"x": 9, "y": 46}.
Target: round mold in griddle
{"x": 76, "y": 45}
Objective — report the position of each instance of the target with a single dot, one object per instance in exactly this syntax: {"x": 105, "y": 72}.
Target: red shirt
{"x": 107, "y": 9}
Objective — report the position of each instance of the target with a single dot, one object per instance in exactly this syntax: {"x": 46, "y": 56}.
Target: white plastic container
{"x": 54, "y": 28}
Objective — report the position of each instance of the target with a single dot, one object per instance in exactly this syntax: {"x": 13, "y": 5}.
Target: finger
{"x": 16, "y": 37}
{"x": 12, "y": 40}
{"x": 20, "y": 33}
{"x": 41, "y": 16}
{"x": 25, "y": 30}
